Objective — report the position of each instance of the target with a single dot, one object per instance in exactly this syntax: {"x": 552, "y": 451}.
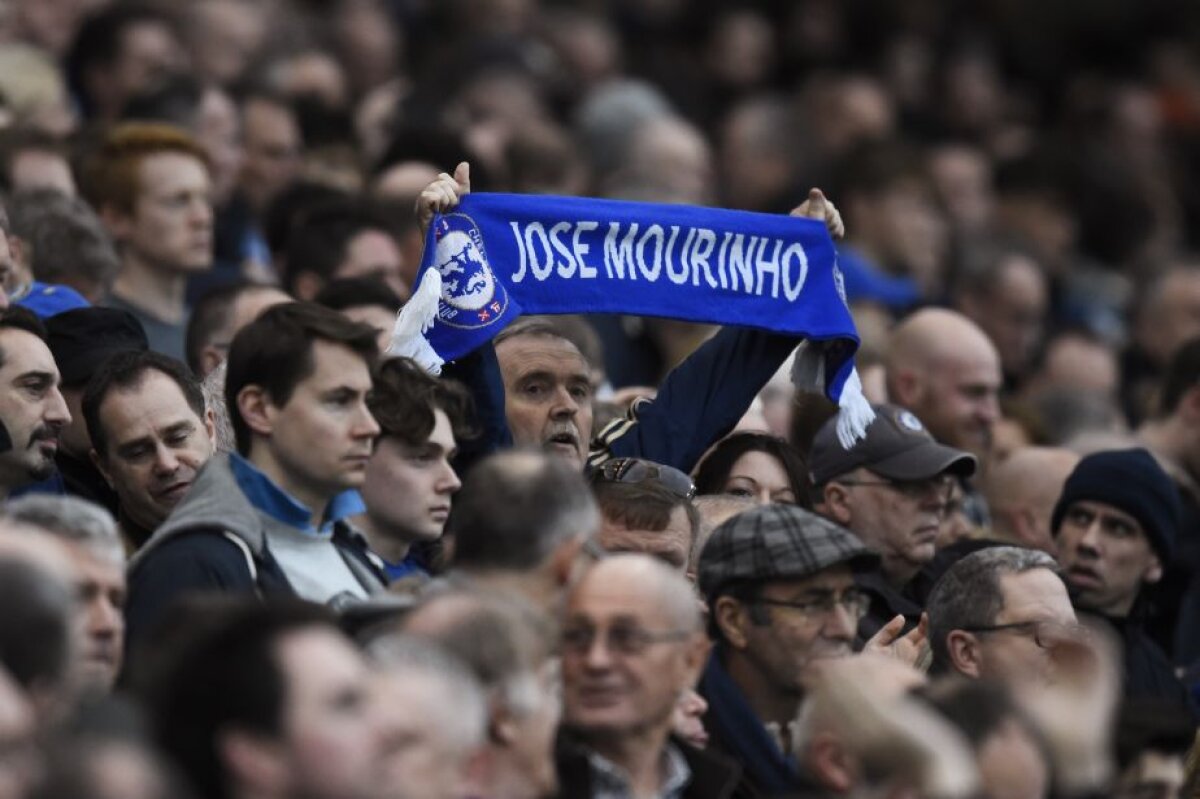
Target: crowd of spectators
{"x": 247, "y": 554}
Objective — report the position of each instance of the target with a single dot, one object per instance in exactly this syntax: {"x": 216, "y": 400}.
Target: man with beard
{"x": 779, "y": 583}
{"x": 32, "y": 408}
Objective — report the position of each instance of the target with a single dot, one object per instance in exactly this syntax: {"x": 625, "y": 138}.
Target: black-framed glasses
{"x": 1045, "y": 634}
{"x": 636, "y": 471}
{"x": 623, "y": 639}
{"x": 911, "y": 489}
{"x": 855, "y": 602}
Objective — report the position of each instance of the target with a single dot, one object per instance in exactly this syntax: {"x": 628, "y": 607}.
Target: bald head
{"x": 663, "y": 589}
{"x": 1021, "y": 491}
{"x": 943, "y": 367}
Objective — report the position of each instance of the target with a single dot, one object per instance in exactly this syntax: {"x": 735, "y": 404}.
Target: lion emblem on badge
{"x": 467, "y": 281}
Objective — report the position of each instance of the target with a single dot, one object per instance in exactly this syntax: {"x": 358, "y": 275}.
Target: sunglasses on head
{"x": 635, "y": 471}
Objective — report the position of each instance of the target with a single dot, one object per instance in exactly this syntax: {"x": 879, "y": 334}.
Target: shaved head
{"x": 943, "y": 367}
{"x": 1021, "y": 491}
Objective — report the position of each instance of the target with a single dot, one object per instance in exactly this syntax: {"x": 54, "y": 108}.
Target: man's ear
{"x": 210, "y": 358}
{"x": 830, "y": 762}
{"x": 965, "y": 656}
{"x": 256, "y": 409}
{"x": 16, "y": 248}
{"x": 564, "y": 560}
{"x": 1154, "y": 571}
{"x": 905, "y": 387}
{"x": 733, "y": 618}
{"x": 695, "y": 656}
{"x": 98, "y": 462}
{"x": 118, "y": 223}
{"x": 256, "y": 765}
{"x": 836, "y": 503}
{"x": 210, "y": 428}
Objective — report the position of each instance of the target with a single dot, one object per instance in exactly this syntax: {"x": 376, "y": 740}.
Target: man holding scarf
{"x": 547, "y": 397}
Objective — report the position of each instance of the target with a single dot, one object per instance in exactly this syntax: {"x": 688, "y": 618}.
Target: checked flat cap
{"x": 777, "y": 542}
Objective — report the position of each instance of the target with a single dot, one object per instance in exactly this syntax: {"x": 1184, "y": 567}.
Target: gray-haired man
{"x": 998, "y": 613}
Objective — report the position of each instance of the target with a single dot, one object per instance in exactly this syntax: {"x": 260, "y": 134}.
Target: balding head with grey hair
{"x": 430, "y": 715}
{"x": 97, "y": 560}
{"x": 72, "y": 519}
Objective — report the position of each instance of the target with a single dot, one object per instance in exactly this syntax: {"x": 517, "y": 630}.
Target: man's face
{"x": 373, "y": 253}
{"x": 100, "y": 587}
{"x": 323, "y": 437}
{"x": 960, "y": 400}
{"x": 247, "y": 307}
{"x": 900, "y": 520}
{"x": 149, "y": 53}
{"x": 630, "y": 686}
{"x": 792, "y": 640}
{"x": 328, "y": 734}
{"x": 1015, "y": 312}
{"x": 1105, "y": 556}
{"x": 156, "y": 445}
{"x": 420, "y": 757}
{"x": 670, "y": 545}
{"x": 409, "y": 489}
{"x": 532, "y": 751}
{"x": 171, "y": 227}
{"x": 12, "y": 275}
{"x": 271, "y": 141}
{"x": 32, "y": 409}
{"x": 548, "y": 396}
{"x": 1037, "y": 602}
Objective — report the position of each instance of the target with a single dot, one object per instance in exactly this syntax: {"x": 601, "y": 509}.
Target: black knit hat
{"x": 1131, "y": 481}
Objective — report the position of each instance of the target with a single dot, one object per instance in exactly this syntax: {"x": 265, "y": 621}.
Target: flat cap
{"x": 777, "y": 542}
{"x": 82, "y": 339}
{"x": 897, "y": 446}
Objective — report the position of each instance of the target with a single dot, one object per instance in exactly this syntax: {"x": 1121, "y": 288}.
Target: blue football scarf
{"x": 498, "y": 256}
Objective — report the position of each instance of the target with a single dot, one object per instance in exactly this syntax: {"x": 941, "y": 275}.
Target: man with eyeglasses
{"x": 1116, "y": 524}
{"x": 781, "y": 593}
{"x": 632, "y": 642}
{"x": 998, "y": 614}
{"x": 891, "y": 489}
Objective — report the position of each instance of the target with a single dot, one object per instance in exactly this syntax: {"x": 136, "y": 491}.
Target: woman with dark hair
{"x": 757, "y": 466}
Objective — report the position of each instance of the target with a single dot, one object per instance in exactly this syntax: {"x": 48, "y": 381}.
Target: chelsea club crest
{"x": 471, "y": 295}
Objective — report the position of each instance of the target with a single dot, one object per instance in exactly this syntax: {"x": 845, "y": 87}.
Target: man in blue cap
{"x": 1116, "y": 524}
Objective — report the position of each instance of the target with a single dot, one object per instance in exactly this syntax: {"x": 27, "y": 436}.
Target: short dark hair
{"x": 1182, "y": 375}
{"x": 516, "y": 507}
{"x": 35, "y": 631}
{"x": 212, "y": 312}
{"x": 66, "y": 241}
{"x": 127, "y": 370}
{"x": 275, "y": 351}
{"x": 222, "y": 674}
{"x": 318, "y": 243}
{"x": 353, "y": 292}
{"x": 643, "y": 506}
{"x": 98, "y": 42}
{"x": 175, "y": 101}
{"x": 714, "y": 470}
{"x": 969, "y": 593}
{"x": 14, "y": 317}
{"x": 290, "y": 206}
{"x": 403, "y": 399}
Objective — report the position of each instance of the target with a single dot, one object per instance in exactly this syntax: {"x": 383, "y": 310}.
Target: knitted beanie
{"x": 1131, "y": 481}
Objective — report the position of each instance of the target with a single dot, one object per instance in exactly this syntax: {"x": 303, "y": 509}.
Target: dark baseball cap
{"x": 82, "y": 339}
{"x": 777, "y": 542}
{"x": 897, "y": 446}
